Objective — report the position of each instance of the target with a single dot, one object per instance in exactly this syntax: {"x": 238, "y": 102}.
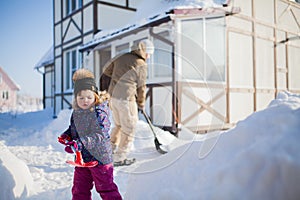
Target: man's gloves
{"x": 141, "y": 109}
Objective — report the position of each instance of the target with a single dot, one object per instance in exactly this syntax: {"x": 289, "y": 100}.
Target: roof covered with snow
{"x": 148, "y": 13}
{"x": 47, "y": 59}
{"x": 158, "y": 7}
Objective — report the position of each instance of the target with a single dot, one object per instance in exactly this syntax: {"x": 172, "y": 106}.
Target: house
{"x": 8, "y": 92}
{"x": 215, "y": 62}
{"x": 76, "y": 22}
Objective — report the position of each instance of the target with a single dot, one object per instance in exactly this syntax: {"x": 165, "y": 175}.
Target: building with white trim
{"x": 215, "y": 62}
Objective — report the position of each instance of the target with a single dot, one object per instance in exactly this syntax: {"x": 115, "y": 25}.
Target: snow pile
{"x": 32, "y": 164}
{"x": 16, "y": 180}
{"x": 258, "y": 159}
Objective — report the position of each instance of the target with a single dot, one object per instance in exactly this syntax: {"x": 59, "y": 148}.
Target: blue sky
{"x": 25, "y": 36}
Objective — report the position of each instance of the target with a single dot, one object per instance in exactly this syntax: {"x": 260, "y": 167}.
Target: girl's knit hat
{"x": 84, "y": 80}
{"x": 85, "y": 84}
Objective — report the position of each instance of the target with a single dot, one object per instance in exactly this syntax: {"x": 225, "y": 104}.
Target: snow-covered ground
{"x": 257, "y": 159}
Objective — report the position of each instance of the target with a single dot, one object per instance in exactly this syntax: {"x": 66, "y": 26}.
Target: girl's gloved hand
{"x": 68, "y": 149}
{"x": 63, "y": 139}
{"x": 76, "y": 144}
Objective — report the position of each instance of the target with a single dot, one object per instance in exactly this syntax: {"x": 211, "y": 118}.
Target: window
{"x": 203, "y": 49}
{"x": 160, "y": 63}
{"x": 162, "y": 58}
{"x": 5, "y": 95}
{"x": 72, "y": 5}
{"x": 73, "y": 62}
{"x": 124, "y": 48}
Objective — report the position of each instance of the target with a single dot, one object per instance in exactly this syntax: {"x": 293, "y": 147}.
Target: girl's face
{"x": 85, "y": 99}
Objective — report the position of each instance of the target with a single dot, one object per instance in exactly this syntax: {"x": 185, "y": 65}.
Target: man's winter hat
{"x": 145, "y": 46}
{"x": 148, "y": 46}
{"x": 85, "y": 84}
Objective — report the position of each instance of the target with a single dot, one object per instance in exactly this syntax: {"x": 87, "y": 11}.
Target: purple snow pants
{"x": 102, "y": 176}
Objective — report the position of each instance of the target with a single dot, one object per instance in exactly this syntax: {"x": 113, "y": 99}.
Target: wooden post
{"x": 254, "y": 55}
{"x": 227, "y": 74}
{"x": 275, "y": 49}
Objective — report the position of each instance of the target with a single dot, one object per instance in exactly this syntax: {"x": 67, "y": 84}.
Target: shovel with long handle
{"x": 156, "y": 142}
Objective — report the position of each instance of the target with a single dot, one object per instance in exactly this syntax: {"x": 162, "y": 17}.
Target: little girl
{"x": 89, "y": 133}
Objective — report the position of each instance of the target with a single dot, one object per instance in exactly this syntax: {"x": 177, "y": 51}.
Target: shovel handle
{"x": 149, "y": 122}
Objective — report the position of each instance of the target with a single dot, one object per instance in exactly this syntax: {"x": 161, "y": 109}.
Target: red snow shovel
{"x": 78, "y": 162}
{"x": 156, "y": 142}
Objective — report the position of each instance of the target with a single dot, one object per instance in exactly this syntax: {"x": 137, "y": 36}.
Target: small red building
{"x": 8, "y": 92}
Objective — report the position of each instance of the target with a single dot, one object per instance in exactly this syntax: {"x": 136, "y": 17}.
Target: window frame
{"x": 163, "y": 60}
{"x": 207, "y": 55}
{"x": 73, "y": 62}
{"x": 5, "y": 95}
{"x": 73, "y": 5}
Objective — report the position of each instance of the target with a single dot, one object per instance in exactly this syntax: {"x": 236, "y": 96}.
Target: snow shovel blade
{"x": 156, "y": 142}
{"x": 157, "y": 146}
{"x": 88, "y": 164}
{"x": 78, "y": 162}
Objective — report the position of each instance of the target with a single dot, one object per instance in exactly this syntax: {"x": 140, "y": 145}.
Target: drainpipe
{"x": 44, "y": 89}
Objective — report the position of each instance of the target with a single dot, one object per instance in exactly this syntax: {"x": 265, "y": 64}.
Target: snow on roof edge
{"x": 46, "y": 59}
{"x": 189, "y": 4}
{"x": 106, "y": 35}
